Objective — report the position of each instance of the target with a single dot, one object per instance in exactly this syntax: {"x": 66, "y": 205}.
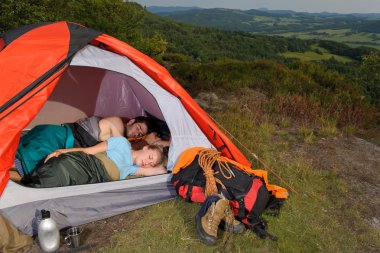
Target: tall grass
{"x": 307, "y": 109}
{"x": 306, "y": 92}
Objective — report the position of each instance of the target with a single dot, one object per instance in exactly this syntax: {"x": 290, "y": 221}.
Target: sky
{"x": 338, "y": 6}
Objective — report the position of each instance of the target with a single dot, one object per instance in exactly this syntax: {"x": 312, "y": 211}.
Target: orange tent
{"x": 34, "y": 59}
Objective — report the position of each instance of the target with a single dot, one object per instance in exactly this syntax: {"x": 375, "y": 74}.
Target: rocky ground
{"x": 354, "y": 159}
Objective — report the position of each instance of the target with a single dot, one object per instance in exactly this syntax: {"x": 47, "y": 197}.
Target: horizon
{"x": 331, "y": 6}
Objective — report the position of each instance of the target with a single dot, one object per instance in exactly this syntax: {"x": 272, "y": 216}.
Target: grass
{"x": 347, "y": 36}
{"x": 264, "y": 19}
{"x": 285, "y": 122}
{"x": 329, "y": 128}
{"x": 318, "y": 219}
{"x": 321, "y": 49}
{"x": 307, "y": 134}
{"x": 288, "y": 21}
{"x": 282, "y": 133}
{"x": 313, "y": 56}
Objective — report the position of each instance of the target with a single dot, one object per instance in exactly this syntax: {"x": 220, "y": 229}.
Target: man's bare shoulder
{"x": 112, "y": 125}
{"x": 112, "y": 120}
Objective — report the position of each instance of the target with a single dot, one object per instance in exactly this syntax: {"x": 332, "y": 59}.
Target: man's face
{"x": 136, "y": 129}
{"x": 147, "y": 158}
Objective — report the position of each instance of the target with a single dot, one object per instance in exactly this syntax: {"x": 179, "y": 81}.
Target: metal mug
{"x": 73, "y": 236}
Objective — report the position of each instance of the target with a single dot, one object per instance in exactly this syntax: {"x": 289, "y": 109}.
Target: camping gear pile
{"x": 203, "y": 175}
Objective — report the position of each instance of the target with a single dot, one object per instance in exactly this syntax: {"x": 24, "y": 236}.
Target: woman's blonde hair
{"x": 163, "y": 158}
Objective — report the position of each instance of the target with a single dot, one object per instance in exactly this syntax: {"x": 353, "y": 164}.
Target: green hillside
{"x": 350, "y": 29}
{"x": 207, "y": 44}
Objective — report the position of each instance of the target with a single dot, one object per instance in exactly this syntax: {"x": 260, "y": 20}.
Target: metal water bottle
{"x": 48, "y": 233}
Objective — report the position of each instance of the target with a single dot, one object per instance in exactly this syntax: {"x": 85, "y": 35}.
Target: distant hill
{"x": 352, "y": 29}
{"x": 205, "y": 44}
{"x": 208, "y": 44}
{"x": 360, "y": 15}
{"x": 159, "y": 9}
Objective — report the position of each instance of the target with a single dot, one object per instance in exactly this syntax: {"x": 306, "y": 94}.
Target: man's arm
{"x": 153, "y": 138}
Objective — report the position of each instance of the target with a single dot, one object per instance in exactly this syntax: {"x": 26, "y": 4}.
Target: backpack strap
{"x": 189, "y": 193}
{"x": 176, "y": 186}
{"x": 261, "y": 230}
{"x": 274, "y": 206}
{"x": 241, "y": 210}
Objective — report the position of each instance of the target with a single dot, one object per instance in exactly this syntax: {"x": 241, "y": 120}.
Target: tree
{"x": 114, "y": 17}
{"x": 370, "y": 74}
{"x": 154, "y": 46}
{"x": 15, "y": 13}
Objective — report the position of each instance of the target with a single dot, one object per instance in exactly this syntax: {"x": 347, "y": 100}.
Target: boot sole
{"x": 205, "y": 238}
{"x": 237, "y": 229}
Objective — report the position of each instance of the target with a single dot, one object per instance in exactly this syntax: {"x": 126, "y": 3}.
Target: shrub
{"x": 175, "y": 58}
{"x": 297, "y": 107}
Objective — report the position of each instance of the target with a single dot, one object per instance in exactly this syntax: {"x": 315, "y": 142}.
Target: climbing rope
{"x": 206, "y": 161}
{"x": 207, "y": 158}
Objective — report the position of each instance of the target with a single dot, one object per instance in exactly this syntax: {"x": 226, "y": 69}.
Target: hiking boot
{"x": 232, "y": 225}
{"x": 207, "y": 225}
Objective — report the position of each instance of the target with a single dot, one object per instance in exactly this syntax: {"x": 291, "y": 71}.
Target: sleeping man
{"x": 109, "y": 160}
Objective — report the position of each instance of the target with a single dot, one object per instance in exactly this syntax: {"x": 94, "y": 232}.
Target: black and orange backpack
{"x": 248, "y": 190}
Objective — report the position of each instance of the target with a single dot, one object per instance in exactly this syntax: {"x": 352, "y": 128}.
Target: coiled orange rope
{"x": 206, "y": 159}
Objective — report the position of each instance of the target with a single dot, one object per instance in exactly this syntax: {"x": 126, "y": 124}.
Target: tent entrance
{"x": 102, "y": 83}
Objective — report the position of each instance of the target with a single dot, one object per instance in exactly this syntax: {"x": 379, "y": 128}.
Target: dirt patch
{"x": 354, "y": 159}
{"x": 96, "y": 235}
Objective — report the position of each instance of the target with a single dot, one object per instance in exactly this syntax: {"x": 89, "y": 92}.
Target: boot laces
{"x": 229, "y": 218}
{"x": 211, "y": 223}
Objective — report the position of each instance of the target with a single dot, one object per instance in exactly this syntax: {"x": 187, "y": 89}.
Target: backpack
{"x": 247, "y": 190}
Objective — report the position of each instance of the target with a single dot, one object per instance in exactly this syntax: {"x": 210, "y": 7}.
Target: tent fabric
{"x": 78, "y": 38}
{"x": 76, "y": 205}
{"x": 27, "y": 63}
{"x": 58, "y": 72}
{"x": 12, "y": 35}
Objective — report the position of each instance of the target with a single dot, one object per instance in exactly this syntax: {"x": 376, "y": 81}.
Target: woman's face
{"x": 147, "y": 158}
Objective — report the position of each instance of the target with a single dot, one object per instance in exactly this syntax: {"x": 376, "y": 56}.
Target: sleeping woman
{"x": 42, "y": 140}
{"x": 109, "y": 160}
